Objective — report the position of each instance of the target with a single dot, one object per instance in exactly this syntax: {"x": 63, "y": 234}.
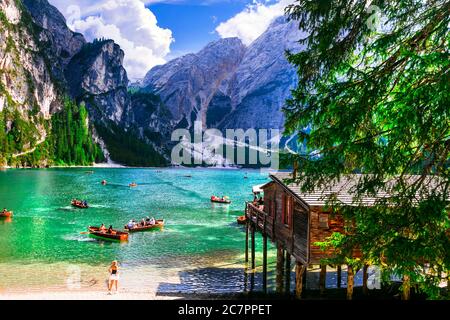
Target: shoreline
{"x": 106, "y": 166}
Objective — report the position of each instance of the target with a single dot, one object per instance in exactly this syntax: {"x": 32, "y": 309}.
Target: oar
{"x": 86, "y": 232}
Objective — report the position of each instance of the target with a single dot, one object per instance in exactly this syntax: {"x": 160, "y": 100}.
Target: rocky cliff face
{"x": 189, "y": 84}
{"x": 264, "y": 79}
{"x": 96, "y": 77}
{"x": 28, "y": 94}
{"x": 229, "y": 86}
{"x": 59, "y": 43}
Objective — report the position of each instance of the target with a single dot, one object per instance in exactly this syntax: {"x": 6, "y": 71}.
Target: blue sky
{"x": 193, "y": 23}
{"x": 152, "y": 32}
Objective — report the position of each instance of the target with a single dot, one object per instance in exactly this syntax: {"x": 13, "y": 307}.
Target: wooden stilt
{"x": 406, "y": 288}
{"x": 365, "y": 278}
{"x": 280, "y": 264}
{"x": 252, "y": 281}
{"x": 265, "y": 263}
{"x": 322, "y": 278}
{"x": 299, "y": 272}
{"x": 339, "y": 276}
{"x": 287, "y": 269}
{"x": 246, "y": 243}
{"x": 350, "y": 282}
{"x": 305, "y": 276}
{"x": 253, "y": 249}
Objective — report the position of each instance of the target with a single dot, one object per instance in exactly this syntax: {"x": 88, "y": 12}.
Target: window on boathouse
{"x": 323, "y": 221}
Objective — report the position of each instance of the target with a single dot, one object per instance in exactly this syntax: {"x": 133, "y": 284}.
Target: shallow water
{"x": 200, "y": 249}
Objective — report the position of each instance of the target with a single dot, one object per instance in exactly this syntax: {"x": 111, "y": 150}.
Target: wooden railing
{"x": 260, "y": 219}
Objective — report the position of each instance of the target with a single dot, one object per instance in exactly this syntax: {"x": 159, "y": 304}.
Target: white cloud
{"x": 128, "y": 22}
{"x": 253, "y": 21}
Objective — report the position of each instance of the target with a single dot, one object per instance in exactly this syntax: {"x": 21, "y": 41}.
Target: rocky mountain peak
{"x": 62, "y": 42}
{"x": 188, "y": 84}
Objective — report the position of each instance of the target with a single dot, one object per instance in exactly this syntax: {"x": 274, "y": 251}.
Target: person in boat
{"x": 143, "y": 222}
{"x": 102, "y": 228}
{"x": 4, "y": 210}
{"x": 113, "y": 276}
{"x": 111, "y": 230}
{"x": 130, "y": 225}
{"x": 147, "y": 220}
{"x": 85, "y": 204}
{"x": 152, "y": 221}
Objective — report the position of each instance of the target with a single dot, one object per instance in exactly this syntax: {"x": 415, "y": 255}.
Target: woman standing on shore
{"x": 113, "y": 276}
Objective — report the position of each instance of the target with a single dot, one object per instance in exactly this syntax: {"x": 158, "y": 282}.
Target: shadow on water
{"x": 235, "y": 284}
{"x": 205, "y": 281}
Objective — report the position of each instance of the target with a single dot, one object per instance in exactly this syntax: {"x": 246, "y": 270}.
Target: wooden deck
{"x": 260, "y": 219}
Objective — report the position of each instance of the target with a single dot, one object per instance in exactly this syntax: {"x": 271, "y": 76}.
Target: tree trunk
{"x": 406, "y": 290}
{"x": 365, "y": 278}
{"x": 448, "y": 284}
{"x": 299, "y": 273}
{"x": 322, "y": 278}
{"x": 350, "y": 282}
{"x": 339, "y": 276}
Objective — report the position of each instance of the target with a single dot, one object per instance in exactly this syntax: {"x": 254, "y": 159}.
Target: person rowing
{"x": 102, "y": 228}
{"x": 4, "y": 210}
{"x": 130, "y": 225}
{"x": 152, "y": 221}
{"x": 111, "y": 230}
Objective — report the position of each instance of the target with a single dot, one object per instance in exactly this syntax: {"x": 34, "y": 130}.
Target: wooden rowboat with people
{"x": 6, "y": 214}
{"x": 224, "y": 200}
{"x": 79, "y": 204}
{"x": 111, "y": 234}
{"x": 159, "y": 224}
{"x": 242, "y": 220}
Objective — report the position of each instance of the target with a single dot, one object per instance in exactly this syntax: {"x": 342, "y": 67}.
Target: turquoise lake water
{"x": 46, "y": 230}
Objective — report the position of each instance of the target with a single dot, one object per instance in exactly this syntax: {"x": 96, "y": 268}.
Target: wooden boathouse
{"x": 295, "y": 221}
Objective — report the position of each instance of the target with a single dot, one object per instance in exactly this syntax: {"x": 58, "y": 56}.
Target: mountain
{"x": 63, "y": 99}
{"x": 227, "y": 85}
{"x": 59, "y": 43}
{"x": 67, "y": 101}
{"x": 264, "y": 79}
{"x": 187, "y": 85}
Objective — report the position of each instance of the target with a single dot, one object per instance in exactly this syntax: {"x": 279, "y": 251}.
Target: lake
{"x": 201, "y": 248}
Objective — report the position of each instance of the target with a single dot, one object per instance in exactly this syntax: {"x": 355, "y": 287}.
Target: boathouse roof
{"x": 343, "y": 190}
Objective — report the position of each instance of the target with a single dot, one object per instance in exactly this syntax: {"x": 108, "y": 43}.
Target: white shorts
{"x": 113, "y": 277}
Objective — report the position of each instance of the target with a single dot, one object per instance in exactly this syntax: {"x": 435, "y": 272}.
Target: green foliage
{"x": 377, "y": 103}
{"x": 127, "y": 147}
{"x": 71, "y": 138}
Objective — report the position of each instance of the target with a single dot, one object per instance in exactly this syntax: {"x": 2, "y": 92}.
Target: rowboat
{"x": 242, "y": 220}
{"x": 104, "y": 182}
{"x": 7, "y": 214}
{"x": 220, "y": 200}
{"x": 79, "y": 204}
{"x": 114, "y": 236}
{"x": 159, "y": 225}
{"x": 133, "y": 185}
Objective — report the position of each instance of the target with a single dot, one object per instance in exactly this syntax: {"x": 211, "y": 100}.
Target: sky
{"x": 152, "y": 32}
